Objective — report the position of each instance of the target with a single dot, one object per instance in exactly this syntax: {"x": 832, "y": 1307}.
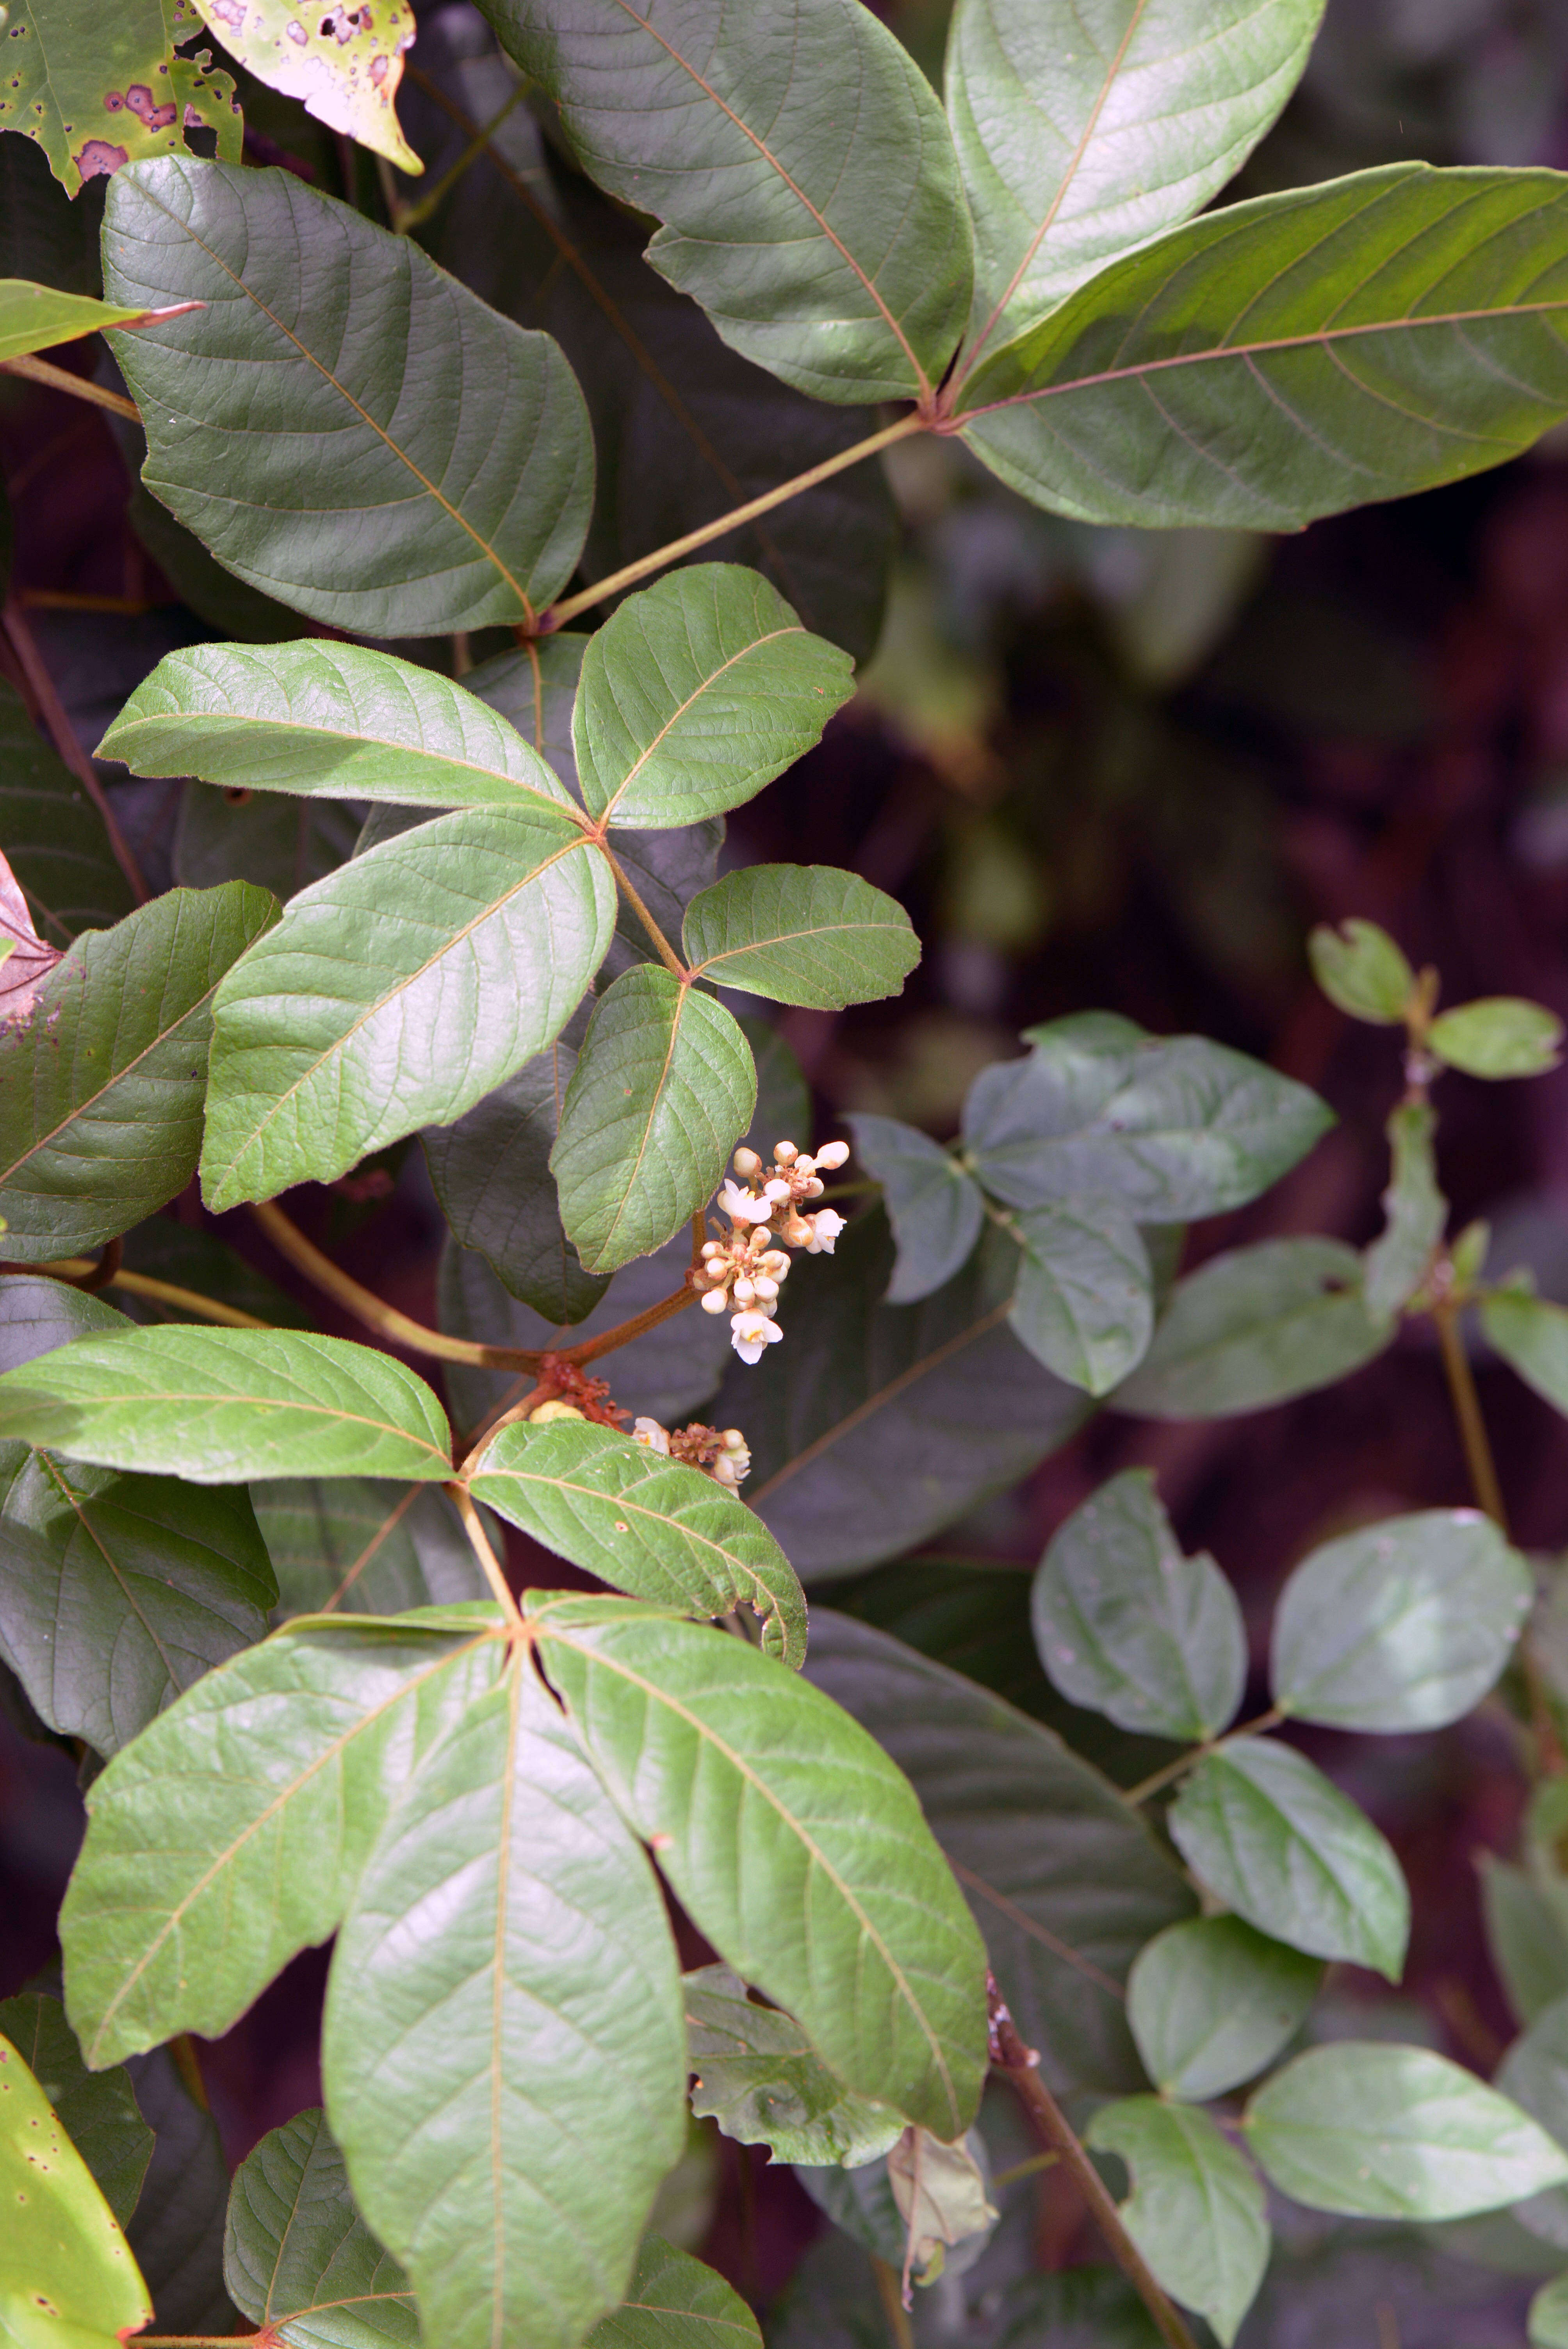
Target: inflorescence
{"x": 740, "y": 1275}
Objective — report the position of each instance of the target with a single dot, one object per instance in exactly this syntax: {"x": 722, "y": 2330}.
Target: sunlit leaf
{"x": 800, "y": 934}
{"x": 62, "y": 2247}
{"x": 96, "y": 92}
{"x": 346, "y": 72}
{"x": 97, "y": 2110}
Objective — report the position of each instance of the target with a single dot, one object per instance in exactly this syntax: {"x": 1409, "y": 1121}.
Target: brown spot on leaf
{"x": 99, "y": 157}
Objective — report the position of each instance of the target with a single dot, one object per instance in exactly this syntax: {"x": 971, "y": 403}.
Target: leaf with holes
{"x": 101, "y": 1092}
{"x": 398, "y": 992}
{"x": 934, "y": 1207}
{"x": 791, "y": 1842}
{"x": 664, "y": 1089}
{"x": 345, "y": 65}
{"x": 364, "y": 1545}
{"x": 645, "y": 1524}
{"x": 1293, "y": 355}
{"x": 1083, "y": 132}
{"x": 97, "y": 91}
{"x": 314, "y": 459}
{"x": 695, "y": 693}
{"x": 757, "y": 2075}
{"x": 1196, "y": 2210}
{"x": 800, "y": 934}
{"x": 228, "y": 1836}
{"x": 802, "y": 166}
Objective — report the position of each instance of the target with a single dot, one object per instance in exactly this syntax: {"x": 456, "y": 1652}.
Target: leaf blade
{"x": 1196, "y": 2210}
{"x": 935, "y": 1209}
{"x": 800, "y": 934}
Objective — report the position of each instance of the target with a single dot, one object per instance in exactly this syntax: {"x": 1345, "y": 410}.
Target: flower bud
{"x": 777, "y": 1190}
{"x": 745, "y": 1292}
{"x": 713, "y": 1248}
{"x": 798, "y": 1232}
{"x": 826, "y": 1226}
{"x": 553, "y": 1410}
{"x": 804, "y": 1165}
{"x": 764, "y": 1289}
{"x": 784, "y": 1154}
{"x": 775, "y": 1264}
{"x": 733, "y": 1440}
{"x": 715, "y": 1301}
{"x": 748, "y": 1163}
{"x": 814, "y": 1188}
{"x": 833, "y": 1155}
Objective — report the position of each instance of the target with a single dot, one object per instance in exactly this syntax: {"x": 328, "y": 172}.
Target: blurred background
{"x": 1101, "y": 770}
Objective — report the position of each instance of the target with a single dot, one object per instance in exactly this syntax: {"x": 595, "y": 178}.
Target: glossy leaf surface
{"x": 312, "y": 458}
{"x": 397, "y": 992}
{"x": 794, "y": 1844}
{"x": 101, "y": 1093}
{"x": 1402, "y": 1625}
{"x": 1274, "y": 1839}
{"x": 63, "y": 2247}
{"x": 1126, "y": 1624}
{"x": 697, "y": 692}
{"x": 1066, "y": 1883}
{"x": 1293, "y": 355}
{"x": 663, "y": 1090}
{"x": 1386, "y": 2132}
{"x": 758, "y": 2077}
{"x": 1080, "y": 135}
{"x": 472, "y": 2072}
{"x": 1196, "y": 2210}
{"x": 800, "y": 934}
{"x": 645, "y": 1524}
{"x": 799, "y": 162}
{"x": 1254, "y": 1327}
{"x": 326, "y": 719}
{"x": 934, "y": 1207}
{"x": 97, "y": 2110}
{"x": 229, "y": 1836}
{"x": 1084, "y": 1303}
{"x": 1210, "y": 2002}
{"x": 217, "y": 1406}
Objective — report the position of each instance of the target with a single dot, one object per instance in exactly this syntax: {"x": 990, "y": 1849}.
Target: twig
{"x": 1020, "y": 2064}
{"x": 59, "y": 378}
{"x": 666, "y": 953}
{"x": 490, "y": 1565}
{"x": 898, "y": 2323}
{"x": 35, "y": 670}
{"x": 1196, "y": 1754}
{"x": 74, "y": 1270}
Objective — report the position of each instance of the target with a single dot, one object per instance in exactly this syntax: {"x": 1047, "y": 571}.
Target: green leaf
{"x": 758, "y": 2077}
{"x": 1293, "y": 355}
{"x": 398, "y": 992}
{"x": 663, "y": 1090}
{"x": 230, "y": 607}
{"x": 115, "y": 84}
{"x": 503, "y": 2008}
{"x": 645, "y": 1524}
{"x": 697, "y": 692}
{"x": 1415, "y": 1211}
{"x": 828, "y": 240}
{"x": 1531, "y": 1336}
{"x": 793, "y": 1844}
{"x": 1525, "y": 1941}
{"x": 118, "y": 1591}
{"x": 1254, "y": 1327}
{"x": 365, "y": 1546}
{"x": 228, "y": 1836}
{"x": 36, "y": 318}
{"x": 675, "y": 2302}
{"x": 344, "y": 73}
{"x": 1084, "y": 1304}
{"x": 935, "y": 1209}
{"x": 100, "y": 1094}
{"x": 177, "y": 2233}
{"x": 97, "y": 2110}
{"x": 1380, "y": 2131}
{"x": 326, "y": 721}
{"x": 216, "y": 1406}
{"x": 299, "y": 2260}
{"x": 66, "y": 2272}
{"x": 1534, "y": 2074}
{"x": 1081, "y": 133}
{"x": 1362, "y": 971}
{"x": 1548, "y": 2320}
{"x": 800, "y": 934}
{"x": 315, "y": 467}
{"x": 1196, "y": 2210}
{"x": 1402, "y": 1625}
{"x": 1274, "y": 1840}
{"x": 873, "y": 1425}
{"x": 1129, "y": 1627}
{"x": 1501, "y": 1036}
{"x": 1065, "y": 1882}
{"x": 56, "y": 844}
{"x": 1210, "y": 2002}
{"x": 1165, "y": 1128}
{"x": 491, "y": 1176}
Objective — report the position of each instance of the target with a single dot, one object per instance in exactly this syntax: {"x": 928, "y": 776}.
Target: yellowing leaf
{"x": 344, "y": 61}
{"x": 98, "y": 87}
{"x": 66, "y": 2270}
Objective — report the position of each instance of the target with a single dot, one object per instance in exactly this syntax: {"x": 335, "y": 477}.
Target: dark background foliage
{"x": 1099, "y": 770}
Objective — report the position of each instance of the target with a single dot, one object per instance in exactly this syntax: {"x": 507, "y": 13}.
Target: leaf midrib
{"x": 839, "y": 932}
{"x": 249, "y": 1402}
{"x": 706, "y": 685}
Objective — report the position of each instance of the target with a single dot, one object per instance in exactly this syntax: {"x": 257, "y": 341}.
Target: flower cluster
{"x": 740, "y": 1275}
{"x": 722, "y": 1453}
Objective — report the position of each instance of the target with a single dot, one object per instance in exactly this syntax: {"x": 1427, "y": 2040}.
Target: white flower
{"x": 749, "y": 1332}
{"x": 741, "y": 1207}
{"x": 649, "y": 1431}
{"x": 826, "y": 1226}
{"x": 717, "y": 1301}
{"x": 832, "y": 1155}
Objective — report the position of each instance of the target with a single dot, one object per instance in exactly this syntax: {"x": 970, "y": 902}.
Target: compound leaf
{"x": 398, "y": 992}
{"x": 101, "y": 1092}
{"x": 800, "y": 934}
{"x": 934, "y": 1207}
{"x": 802, "y": 166}
{"x": 1254, "y": 1327}
{"x": 1128, "y": 1626}
{"x": 228, "y": 1836}
{"x": 1196, "y": 2210}
{"x": 663, "y": 1090}
{"x": 313, "y": 461}
{"x": 1211, "y": 2002}
{"x": 1274, "y": 1839}
{"x": 645, "y": 1524}
{"x": 792, "y": 1843}
{"x": 695, "y": 693}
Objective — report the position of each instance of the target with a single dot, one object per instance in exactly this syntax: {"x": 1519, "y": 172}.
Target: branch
{"x": 1020, "y": 2064}
{"x": 42, "y": 687}
{"x": 76, "y": 1270}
